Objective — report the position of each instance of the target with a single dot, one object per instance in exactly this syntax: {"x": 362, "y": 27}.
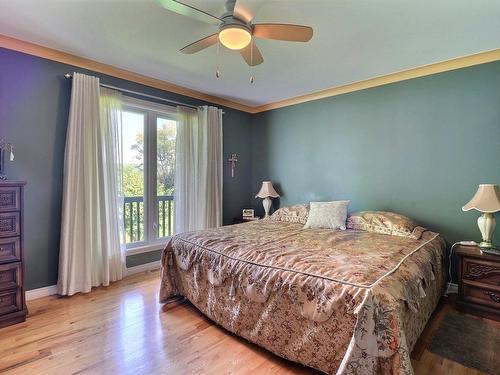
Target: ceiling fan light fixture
{"x": 235, "y": 37}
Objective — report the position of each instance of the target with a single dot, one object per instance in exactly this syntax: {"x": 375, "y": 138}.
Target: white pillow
{"x": 328, "y": 215}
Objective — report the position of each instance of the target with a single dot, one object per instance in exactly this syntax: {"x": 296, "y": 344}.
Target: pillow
{"x": 328, "y": 215}
{"x": 293, "y": 214}
{"x": 385, "y": 222}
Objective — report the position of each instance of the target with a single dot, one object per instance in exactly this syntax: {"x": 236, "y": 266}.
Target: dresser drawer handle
{"x": 493, "y": 296}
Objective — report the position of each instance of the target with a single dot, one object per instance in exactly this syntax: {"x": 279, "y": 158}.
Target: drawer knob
{"x": 493, "y": 296}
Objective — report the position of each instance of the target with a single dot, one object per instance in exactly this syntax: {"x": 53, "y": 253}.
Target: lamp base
{"x": 267, "y": 205}
{"x": 486, "y": 245}
{"x": 486, "y": 223}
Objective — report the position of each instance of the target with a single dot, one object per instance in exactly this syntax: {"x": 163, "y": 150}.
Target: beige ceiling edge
{"x": 67, "y": 58}
{"x": 425, "y": 70}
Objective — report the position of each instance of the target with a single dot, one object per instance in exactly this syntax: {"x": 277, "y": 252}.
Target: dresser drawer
{"x": 481, "y": 272}
{"x": 9, "y": 224}
{"x": 10, "y": 301}
{"x": 10, "y": 276}
{"x": 10, "y": 250}
{"x": 10, "y": 198}
{"x": 481, "y": 296}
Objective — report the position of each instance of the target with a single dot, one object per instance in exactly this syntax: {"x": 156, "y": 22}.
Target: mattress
{"x": 342, "y": 302}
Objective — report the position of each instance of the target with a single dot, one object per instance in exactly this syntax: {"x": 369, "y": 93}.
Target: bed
{"x": 342, "y": 302}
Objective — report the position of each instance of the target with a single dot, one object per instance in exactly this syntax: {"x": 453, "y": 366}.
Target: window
{"x": 133, "y": 175}
{"x": 148, "y": 149}
{"x": 165, "y": 173}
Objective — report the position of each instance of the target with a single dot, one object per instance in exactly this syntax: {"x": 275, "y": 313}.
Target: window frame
{"x": 151, "y": 111}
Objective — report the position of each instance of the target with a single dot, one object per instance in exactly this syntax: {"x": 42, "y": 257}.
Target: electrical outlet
{"x": 451, "y": 288}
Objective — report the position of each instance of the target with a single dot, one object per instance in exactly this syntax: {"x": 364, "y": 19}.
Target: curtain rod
{"x": 69, "y": 76}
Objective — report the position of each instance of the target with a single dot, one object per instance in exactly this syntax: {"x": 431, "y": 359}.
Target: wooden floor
{"x": 122, "y": 329}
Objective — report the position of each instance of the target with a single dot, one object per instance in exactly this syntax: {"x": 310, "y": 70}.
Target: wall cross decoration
{"x": 233, "y": 159}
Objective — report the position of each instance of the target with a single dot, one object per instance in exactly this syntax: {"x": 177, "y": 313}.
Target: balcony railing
{"x": 165, "y": 218}
{"x": 133, "y": 215}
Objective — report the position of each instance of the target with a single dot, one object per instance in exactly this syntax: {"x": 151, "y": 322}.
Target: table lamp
{"x": 267, "y": 192}
{"x": 487, "y": 201}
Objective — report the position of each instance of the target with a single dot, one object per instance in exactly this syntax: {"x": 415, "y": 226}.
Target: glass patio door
{"x": 148, "y": 140}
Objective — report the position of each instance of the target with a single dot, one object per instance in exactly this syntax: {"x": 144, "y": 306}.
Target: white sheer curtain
{"x": 90, "y": 251}
{"x": 198, "y": 169}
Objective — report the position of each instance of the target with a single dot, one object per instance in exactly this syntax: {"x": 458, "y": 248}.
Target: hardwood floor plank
{"x": 123, "y": 329}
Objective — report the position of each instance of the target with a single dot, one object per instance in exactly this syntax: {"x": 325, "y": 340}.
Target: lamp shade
{"x": 267, "y": 190}
{"x": 486, "y": 199}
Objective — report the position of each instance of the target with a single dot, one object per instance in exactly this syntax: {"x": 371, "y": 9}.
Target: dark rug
{"x": 470, "y": 341}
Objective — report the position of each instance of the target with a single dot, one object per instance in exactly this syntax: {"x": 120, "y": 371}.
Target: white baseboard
{"x": 144, "y": 267}
{"x": 52, "y": 289}
{"x": 41, "y": 292}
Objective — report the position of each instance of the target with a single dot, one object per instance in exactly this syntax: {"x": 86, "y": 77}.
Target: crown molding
{"x": 81, "y": 62}
{"x": 422, "y": 71}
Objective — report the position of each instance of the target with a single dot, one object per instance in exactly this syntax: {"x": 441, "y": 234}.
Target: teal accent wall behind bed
{"x": 419, "y": 147}
{"x": 34, "y": 107}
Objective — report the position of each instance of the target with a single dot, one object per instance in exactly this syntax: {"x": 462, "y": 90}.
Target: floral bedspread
{"x": 343, "y": 302}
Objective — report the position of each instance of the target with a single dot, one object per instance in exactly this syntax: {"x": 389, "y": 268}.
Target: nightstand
{"x": 479, "y": 282}
{"x": 241, "y": 219}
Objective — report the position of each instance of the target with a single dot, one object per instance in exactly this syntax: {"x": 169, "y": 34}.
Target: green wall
{"x": 418, "y": 147}
{"x": 34, "y": 106}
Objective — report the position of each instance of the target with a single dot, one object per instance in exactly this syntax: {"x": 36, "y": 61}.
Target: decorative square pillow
{"x": 292, "y": 214}
{"x": 386, "y": 223}
{"x": 328, "y": 215}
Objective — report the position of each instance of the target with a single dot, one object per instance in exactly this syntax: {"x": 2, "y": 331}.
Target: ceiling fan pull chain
{"x": 217, "y": 60}
{"x": 250, "y": 67}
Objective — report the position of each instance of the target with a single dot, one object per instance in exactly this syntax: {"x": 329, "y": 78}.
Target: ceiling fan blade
{"x": 189, "y": 11}
{"x": 201, "y": 44}
{"x": 246, "y": 10}
{"x": 251, "y": 54}
{"x": 280, "y": 31}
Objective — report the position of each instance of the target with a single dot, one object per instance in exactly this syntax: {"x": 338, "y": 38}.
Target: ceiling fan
{"x": 236, "y": 30}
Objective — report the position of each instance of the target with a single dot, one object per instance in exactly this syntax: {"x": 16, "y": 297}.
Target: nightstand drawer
{"x": 10, "y": 276}
{"x": 478, "y": 282}
{"x": 481, "y": 296}
{"x": 484, "y": 272}
{"x": 10, "y": 198}
{"x": 9, "y": 224}
{"x": 10, "y": 301}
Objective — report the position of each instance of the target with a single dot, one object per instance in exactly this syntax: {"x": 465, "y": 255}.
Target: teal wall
{"x": 34, "y": 105}
{"x": 418, "y": 147}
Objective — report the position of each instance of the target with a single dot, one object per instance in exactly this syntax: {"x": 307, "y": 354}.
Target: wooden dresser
{"x": 479, "y": 282}
{"x": 12, "y": 302}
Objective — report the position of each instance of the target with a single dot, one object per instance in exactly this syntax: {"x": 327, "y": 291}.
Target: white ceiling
{"x": 353, "y": 40}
